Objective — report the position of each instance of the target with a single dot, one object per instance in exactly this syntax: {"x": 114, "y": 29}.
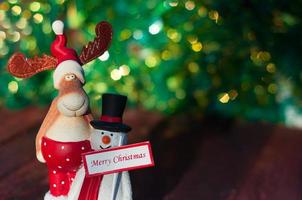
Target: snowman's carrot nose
{"x": 106, "y": 139}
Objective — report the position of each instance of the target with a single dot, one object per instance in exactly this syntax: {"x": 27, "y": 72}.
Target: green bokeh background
{"x": 233, "y": 58}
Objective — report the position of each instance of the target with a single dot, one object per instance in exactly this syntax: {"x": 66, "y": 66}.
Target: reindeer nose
{"x": 73, "y": 101}
{"x": 106, "y": 139}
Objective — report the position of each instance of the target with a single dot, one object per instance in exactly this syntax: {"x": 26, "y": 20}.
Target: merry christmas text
{"x": 117, "y": 159}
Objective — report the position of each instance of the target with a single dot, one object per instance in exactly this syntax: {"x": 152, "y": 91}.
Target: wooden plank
{"x": 21, "y": 175}
{"x": 203, "y": 160}
{"x": 276, "y": 174}
{"x": 27, "y": 182}
{"x": 17, "y": 152}
{"x": 194, "y": 160}
{"x": 18, "y": 122}
{"x": 253, "y": 161}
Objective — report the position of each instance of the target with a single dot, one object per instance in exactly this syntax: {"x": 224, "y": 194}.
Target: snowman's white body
{"x": 124, "y": 191}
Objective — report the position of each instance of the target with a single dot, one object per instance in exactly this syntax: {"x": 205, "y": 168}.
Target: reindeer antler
{"x": 99, "y": 45}
{"x": 22, "y": 67}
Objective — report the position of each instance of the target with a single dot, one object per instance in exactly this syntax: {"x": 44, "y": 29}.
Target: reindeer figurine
{"x": 65, "y": 131}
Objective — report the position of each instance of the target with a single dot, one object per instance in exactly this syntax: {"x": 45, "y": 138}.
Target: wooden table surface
{"x": 208, "y": 159}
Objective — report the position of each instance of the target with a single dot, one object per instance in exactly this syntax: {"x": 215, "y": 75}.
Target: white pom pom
{"x": 57, "y": 27}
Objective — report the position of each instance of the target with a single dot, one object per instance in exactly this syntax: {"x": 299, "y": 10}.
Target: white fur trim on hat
{"x": 67, "y": 67}
{"x": 58, "y": 27}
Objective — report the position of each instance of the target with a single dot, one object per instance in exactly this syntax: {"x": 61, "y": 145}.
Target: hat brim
{"x": 110, "y": 126}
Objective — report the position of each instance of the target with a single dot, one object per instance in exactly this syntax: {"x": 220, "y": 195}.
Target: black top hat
{"x": 113, "y": 106}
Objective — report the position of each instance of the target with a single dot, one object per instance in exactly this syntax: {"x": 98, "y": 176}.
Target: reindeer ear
{"x": 22, "y": 67}
{"x": 99, "y": 45}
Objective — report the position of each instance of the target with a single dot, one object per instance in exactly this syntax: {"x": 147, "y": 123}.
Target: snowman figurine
{"x": 109, "y": 131}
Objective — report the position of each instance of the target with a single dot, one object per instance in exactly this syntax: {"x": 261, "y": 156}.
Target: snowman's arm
{"x": 126, "y": 186}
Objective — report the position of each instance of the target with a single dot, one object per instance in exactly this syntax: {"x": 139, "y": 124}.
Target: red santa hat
{"x": 68, "y": 60}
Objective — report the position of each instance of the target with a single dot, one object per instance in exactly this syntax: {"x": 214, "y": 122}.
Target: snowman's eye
{"x": 102, "y": 133}
{"x": 111, "y": 134}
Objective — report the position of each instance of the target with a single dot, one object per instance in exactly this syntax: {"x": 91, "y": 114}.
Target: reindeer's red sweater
{"x": 63, "y": 160}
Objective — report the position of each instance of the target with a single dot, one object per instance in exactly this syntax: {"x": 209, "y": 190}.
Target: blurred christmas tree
{"x": 236, "y": 58}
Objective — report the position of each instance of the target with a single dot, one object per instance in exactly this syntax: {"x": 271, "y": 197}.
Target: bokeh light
{"x": 166, "y": 55}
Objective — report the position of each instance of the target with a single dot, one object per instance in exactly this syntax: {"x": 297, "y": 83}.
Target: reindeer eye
{"x": 69, "y": 77}
{"x": 111, "y": 134}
